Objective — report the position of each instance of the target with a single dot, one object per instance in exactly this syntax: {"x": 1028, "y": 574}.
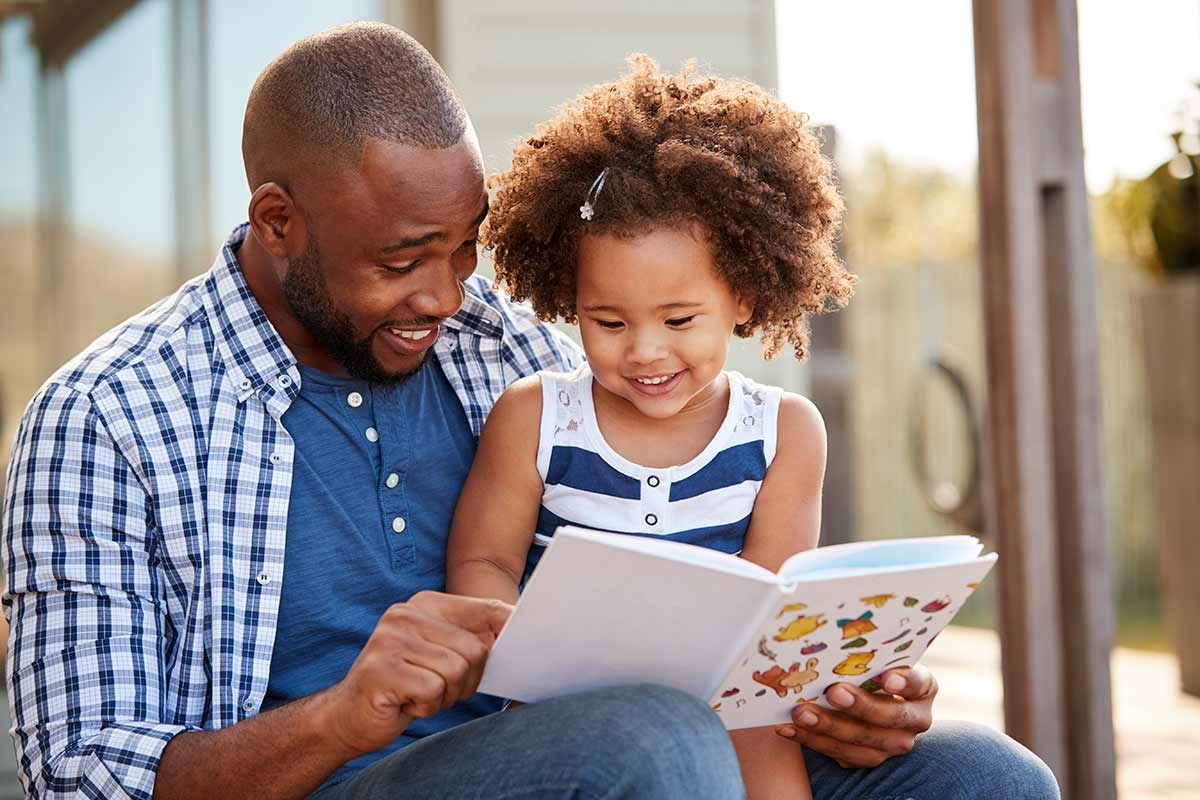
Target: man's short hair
{"x": 323, "y": 97}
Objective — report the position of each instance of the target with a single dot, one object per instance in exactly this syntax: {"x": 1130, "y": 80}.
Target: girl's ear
{"x": 745, "y": 309}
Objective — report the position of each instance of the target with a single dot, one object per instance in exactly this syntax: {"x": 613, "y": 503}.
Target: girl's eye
{"x": 609, "y": 324}
{"x": 680, "y": 321}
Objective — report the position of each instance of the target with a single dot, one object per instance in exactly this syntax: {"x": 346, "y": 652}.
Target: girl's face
{"x": 656, "y": 317}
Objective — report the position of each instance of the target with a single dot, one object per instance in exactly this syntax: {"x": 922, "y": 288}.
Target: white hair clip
{"x": 588, "y": 209}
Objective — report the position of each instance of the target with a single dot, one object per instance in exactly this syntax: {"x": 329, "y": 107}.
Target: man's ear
{"x": 276, "y": 221}
{"x": 745, "y": 309}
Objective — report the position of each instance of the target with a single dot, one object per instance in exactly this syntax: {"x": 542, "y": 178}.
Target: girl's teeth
{"x": 655, "y": 381}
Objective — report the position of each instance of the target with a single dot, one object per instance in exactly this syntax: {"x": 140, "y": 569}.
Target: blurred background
{"x": 121, "y": 174}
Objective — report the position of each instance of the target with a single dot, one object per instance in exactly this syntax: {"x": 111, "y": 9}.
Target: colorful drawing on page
{"x": 852, "y": 628}
{"x": 899, "y": 636}
{"x": 936, "y": 605}
{"x": 854, "y": 643}
{"x": 730, "y": 692}
{"x": 855, "y": 664}
{"x": 877, "y": 600}
{"x": 902, "y": 647}
{"x": 972, "y": 585}
{"x": 800, "y": 627}
{"x": 791, "y": 607}
{"x": 802, "y": 700}
{"x": 815, "y": 647}
{"x": 871, "y": 685}
{"x": 717, "y": 707}
{"x": 765, "y": 651}
{"x": 896, "y": 661}
{"x": 792, "y": 678}
{"x": 740, "y": 703}
{"x": 921, "y": 632}
{"x": 909, "y": 602}
{"x": 760, "y": 692}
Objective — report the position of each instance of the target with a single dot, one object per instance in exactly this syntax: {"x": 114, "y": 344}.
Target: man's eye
{"x": 402, "y": 270}
{"x": 680, "y": 321}
{"x": 609, "y": 324}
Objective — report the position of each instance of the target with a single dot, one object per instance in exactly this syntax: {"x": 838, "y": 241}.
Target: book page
{"x": 841, "y": 629}
{"x": 597, "y": 613}
{"x": 883, "y": 553}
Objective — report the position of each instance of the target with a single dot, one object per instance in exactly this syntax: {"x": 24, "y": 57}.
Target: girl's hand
{"x": 869, "y": 728}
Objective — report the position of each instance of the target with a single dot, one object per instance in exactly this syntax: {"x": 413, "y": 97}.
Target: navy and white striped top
{"x": 706, "y": 502}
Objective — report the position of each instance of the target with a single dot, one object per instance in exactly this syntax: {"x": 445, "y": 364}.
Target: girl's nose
{"x": 647, "y": 348}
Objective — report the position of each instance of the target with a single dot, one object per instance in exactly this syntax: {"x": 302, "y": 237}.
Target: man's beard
{"x": 308, "y": 298}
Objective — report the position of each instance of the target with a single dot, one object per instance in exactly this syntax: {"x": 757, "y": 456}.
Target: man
{"x": 226, "y": 518}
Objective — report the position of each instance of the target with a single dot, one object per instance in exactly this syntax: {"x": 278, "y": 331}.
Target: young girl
{"x": 664, "y": 214}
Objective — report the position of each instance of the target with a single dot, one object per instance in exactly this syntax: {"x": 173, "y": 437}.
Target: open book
{"x": 607, "y": 609}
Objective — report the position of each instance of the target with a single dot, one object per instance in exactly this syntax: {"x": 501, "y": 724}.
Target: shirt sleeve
{"x": 85, "y": 649}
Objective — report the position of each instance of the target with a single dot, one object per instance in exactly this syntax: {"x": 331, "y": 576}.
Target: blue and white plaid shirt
{"x": 145, "y": 519}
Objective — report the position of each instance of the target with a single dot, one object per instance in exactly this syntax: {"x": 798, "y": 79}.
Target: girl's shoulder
{"x": 787, "y": 420}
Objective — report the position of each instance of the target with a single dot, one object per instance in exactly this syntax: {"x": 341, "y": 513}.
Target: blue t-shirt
{"x": 378, "y": 471}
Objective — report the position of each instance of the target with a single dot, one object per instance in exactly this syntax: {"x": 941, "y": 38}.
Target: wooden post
{"x": 1045, "y": 494}
{"x": 830, "y": 386}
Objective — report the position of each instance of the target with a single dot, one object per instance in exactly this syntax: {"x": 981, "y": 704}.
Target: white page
{"x": 889, "y": 618}
{"x": 596, "y": 615}
{"x": 882, "y": 553}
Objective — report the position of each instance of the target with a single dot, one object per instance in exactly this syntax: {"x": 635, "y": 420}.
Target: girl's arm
{"x": 786, "y": 520}
{"x": 787, "y": 511}
{"x": 497, "y": 510}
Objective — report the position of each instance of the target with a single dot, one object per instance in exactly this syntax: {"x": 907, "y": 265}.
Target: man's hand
{"x": 870, "y": 727}
{"x": 423, "y": 656}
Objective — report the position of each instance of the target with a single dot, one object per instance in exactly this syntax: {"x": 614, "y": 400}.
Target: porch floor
{"x": 1157, "y": 726}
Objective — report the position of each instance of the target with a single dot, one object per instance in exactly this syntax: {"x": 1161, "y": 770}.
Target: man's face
{"x": 389, "y": 244}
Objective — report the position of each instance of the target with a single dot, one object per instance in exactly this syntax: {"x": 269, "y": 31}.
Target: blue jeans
{"x": 652, "y": 742}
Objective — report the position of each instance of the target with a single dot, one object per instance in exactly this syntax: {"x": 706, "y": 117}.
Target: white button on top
{"x": 398, "y": 525}
{"x": 263, "y": 578}
{"x": 285, "y": 381}
{"x": 393, "y": 480}
{"x": 276, "y": 458}
{"x": 354, "y": 399}
{"x": 245, "y": 384}
{"x": 372, "y": 435}
{"x": 652, "y": 480}
{"x": 248, "y": 706}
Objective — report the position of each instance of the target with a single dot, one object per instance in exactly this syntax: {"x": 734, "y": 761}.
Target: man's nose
{"x": 440, "y": 296}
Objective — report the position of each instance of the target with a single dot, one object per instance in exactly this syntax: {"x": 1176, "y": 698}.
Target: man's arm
{"x": 88, "y": 624}
{"x": 424, "y": 656}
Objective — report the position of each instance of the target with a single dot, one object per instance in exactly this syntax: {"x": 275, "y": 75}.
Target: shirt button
{"x": 393, "y": 481}
{"x": 285, "y": 381}
{"x": 354, "y": 399}
{"x": 276, "y": 458}
{"x": 372, "y": 435}
{"x": 263, "y": 578}
{"x": 248, "y": 706}
{"x": 651, "y": 519}
{"x": 398, "y": 525}
{"x": 245, "y": 384}
{"x": 652, "y": 480}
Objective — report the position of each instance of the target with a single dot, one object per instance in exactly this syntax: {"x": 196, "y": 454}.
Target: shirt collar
{"x": 255, "y": 354}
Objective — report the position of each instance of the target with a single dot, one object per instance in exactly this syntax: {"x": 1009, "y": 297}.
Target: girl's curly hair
{"x": 679, "y": 149}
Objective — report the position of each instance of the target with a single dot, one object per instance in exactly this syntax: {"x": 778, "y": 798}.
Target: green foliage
{"x": 1159, "y": 215}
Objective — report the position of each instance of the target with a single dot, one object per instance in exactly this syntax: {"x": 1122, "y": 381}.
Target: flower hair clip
{"x": 588, "y": 209}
